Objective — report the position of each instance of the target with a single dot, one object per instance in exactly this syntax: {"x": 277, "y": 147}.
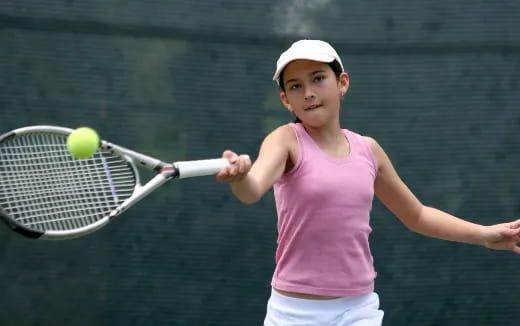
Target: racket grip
{"x": 189, "y": 169}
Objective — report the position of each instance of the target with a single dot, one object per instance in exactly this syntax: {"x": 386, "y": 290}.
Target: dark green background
{"x": 435, "y": 82}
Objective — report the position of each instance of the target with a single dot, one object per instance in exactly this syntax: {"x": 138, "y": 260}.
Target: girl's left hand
{"x": 505, "y": 236}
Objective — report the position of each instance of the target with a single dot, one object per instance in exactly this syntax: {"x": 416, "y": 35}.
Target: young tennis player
{"x": 324, "y": 180}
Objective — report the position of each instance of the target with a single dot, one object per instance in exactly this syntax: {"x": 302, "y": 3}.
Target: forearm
{"x": 247, "y": 190}
{"x": 438, "y": 224}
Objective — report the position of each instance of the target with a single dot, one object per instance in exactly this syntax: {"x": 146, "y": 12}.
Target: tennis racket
{"x": 47, "y": 194}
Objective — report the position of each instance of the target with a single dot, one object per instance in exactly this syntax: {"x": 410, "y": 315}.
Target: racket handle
{"x": 188, "y": 169}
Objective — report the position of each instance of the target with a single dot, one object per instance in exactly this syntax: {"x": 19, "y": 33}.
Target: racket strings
{"x": 44, "y": 188}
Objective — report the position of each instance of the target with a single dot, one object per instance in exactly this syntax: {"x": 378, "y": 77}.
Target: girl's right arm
{"x": 250, "y": 182}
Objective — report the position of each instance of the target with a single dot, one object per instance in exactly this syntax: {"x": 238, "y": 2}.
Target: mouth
{"x": 313, "y": 107}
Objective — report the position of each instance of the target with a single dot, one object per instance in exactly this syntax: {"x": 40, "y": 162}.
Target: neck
{"x": 327, "y": 134}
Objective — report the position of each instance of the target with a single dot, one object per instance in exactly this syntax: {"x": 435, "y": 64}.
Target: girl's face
{"x": 312, "y": 91}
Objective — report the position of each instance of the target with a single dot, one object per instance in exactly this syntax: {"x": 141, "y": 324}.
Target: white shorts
{"x": 360, "y": 310}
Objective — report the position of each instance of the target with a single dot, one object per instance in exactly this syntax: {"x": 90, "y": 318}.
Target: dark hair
{"x": 334, "y": 65}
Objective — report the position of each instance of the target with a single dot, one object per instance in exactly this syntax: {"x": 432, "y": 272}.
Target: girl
{"x": 324, "y": 180}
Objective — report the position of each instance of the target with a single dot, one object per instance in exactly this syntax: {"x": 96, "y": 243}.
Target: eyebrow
{"x": 310, "y": 74}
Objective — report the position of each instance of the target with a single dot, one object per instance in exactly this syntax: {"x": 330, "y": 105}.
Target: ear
{"x": 344, "y": 83}
{"x": 285, "y": 101}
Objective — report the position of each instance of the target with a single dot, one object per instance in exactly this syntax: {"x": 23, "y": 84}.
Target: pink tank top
{"x": 323, "y": 207}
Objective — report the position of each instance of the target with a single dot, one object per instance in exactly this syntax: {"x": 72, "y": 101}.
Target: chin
{"x": 315, "y": 123}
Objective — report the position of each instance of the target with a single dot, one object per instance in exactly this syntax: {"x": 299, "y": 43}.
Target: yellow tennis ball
{"x": 83, "y": 142}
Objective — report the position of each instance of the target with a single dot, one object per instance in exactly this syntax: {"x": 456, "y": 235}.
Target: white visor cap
{"x": 314, "y": 50}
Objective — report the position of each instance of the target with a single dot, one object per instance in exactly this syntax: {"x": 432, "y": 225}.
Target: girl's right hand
{"x": 240, "y": 166}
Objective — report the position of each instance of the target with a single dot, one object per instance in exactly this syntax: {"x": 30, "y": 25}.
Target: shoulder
{"x": 283, "y": 141}
{"x": 284, "y": 134}
{"x": 379, "y": 153}
{"x": 371, "y": 142}
{"x": 283, "y": 138}
{"x": 374, "y": 145}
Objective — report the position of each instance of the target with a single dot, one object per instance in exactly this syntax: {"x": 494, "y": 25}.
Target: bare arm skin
{"x": 429, "y": 221}
{"x": 250, "y": 182}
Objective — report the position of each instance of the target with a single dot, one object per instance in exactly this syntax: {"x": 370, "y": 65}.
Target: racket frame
{"x": 165, "y": 172}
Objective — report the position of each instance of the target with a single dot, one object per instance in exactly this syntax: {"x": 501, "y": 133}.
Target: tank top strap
{"x": 360, "y": 148}
{"x": 301, "y": 134}
{"x": 305, "y": 141}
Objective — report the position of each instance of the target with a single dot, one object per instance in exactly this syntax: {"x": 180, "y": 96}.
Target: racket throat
{"x": 142, "y": 191}
{"x": 169, "y": 171}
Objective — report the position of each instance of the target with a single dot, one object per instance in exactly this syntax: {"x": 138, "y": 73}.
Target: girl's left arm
{"x": 397, "y": 197}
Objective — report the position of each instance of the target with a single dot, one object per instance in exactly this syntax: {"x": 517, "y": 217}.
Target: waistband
{"x": 343, "y": 303}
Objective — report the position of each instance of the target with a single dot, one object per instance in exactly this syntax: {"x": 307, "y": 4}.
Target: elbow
{"x": 248, "y": 191}
{"x": 249, "y": 200}
{"x": 413, "y": 220}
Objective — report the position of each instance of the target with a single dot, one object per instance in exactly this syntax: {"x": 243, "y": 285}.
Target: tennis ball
{"x": 83, "y": 142}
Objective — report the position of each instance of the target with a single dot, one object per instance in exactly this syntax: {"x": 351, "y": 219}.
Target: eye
{"x": 318, "y": 78}
{"x": 294, "y": 86}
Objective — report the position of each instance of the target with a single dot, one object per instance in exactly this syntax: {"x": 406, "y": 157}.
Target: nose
{"x": 309, "y": 93}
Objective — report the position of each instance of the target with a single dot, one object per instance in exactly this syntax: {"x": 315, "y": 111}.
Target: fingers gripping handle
{"x": 188, "y": 169}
